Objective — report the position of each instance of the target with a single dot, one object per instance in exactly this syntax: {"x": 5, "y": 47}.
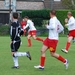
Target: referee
{"x": 15, "y": 32}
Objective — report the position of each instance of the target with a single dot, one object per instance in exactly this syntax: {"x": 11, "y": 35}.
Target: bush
{"x": 38, "y": 16}
{"x": 4, "y": 30}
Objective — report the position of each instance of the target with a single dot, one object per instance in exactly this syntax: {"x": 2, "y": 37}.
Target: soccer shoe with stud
{"x": 64, "y": 50}
{"x": 15, "y": 67}
{"x": 66, "y": 64}
{"x": 39, "y": 67}
{"x": 28, "y": 55}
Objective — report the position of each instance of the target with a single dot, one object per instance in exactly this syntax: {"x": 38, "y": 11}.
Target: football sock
{"x": 61, "y": 59}
{"x": 67, "y": 45}
{"x": 39, "y": 39}
{"x": 20, "y": 54}
{"x": 15, "y": 59}
{"x": 42, "y": 61}
{"x": 29, "y": 42}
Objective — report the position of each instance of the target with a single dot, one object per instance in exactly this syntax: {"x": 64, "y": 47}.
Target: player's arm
{"x": 13, "y": 32}
{"x": 71, "y": 23}
{"x": 51, "y": 25}
{"x": 26, "y": 26}
{"x": 21, "y": 31}
{"x": 60, "y": 27}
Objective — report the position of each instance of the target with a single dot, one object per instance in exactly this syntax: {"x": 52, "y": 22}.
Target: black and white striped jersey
{"x": 15, "y": 30}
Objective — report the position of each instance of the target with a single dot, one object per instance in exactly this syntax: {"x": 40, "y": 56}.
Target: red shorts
{"x": 32, "y": 32}
{"x": 51, "y": 44}
{"x": 72, "y": 33}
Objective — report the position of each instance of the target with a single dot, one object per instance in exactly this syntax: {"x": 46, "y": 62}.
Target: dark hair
{"x": 15, "y": 15}
{"x": 53, "y": 12}
{"x": 26, "y": 17}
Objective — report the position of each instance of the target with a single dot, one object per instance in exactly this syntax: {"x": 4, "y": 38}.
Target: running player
{"x": 71, "y": 28}
{"x": 15, "y": 32}
{"x": 31, "y": 31}
{"x": 50, "y": 43}
{"x": 23, "y": 23}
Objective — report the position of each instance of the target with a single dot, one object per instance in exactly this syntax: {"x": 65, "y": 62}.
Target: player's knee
{"x": 42, "y": 51}
{"x": 13, "y": 54}
{"x": 34, "y": 38}
{"x": 52, "y": 54}
{"x": 28, "y": 37}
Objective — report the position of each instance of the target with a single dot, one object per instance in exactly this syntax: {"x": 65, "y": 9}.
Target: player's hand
{"x": 65, "y": 25}
{"x": 46, "y": 25}
{"x": 66, "y": 20}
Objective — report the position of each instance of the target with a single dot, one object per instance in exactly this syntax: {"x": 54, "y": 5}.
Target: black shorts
{"x": 15, "y": 46}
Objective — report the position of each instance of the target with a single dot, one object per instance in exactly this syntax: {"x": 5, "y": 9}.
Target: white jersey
{"x": 71, "y": 24}
{"x": 31, "y": 26}
{"x": 55, "y": 28}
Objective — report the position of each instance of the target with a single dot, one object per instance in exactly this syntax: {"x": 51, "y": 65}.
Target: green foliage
{"x": 39, "y": 16}
{"x": 70, "y": 4}
{"x": 36, "y": 13}
{"x": 4, "y": 30}
{"x": 37, "y": 21}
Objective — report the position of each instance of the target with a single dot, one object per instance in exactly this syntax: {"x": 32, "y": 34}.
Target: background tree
{"x": 69, "y": 4}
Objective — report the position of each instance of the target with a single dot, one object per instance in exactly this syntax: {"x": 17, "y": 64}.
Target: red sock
{"x": 42, "y": 61}
{"x": 29, "y": 42}
{"x": 39, "y": 39}
{"x": 61, "y": 59}
{"x": 67, "y": 45}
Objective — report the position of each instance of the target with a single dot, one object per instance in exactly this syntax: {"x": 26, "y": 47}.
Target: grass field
{"x": 52, "y": 66}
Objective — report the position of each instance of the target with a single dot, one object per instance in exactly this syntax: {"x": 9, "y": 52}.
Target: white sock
{"x": 15, "y": 59}
{"x": 20, "y": 54}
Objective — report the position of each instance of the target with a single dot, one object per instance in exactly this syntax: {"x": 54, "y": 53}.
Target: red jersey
{"x": 23, "y": 23}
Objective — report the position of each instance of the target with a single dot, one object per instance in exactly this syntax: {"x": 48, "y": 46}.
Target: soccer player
{"x": 23, "y": 23}
{"x": 15, "y": 32}
{"x": 31, "y": 31}
{"x": 50, "y": 43}
{"x": 71, "y": 28}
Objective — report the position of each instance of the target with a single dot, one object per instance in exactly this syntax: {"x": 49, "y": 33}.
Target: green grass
{"x": 52, "y": 66}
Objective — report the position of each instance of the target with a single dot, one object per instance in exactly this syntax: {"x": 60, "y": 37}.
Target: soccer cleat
{"x": 66, "y": 64}
{"x": 64, "y": 50}
{"x": 28, "y": 55}
{"x": 39, "y": 67}
{"x": 15, "y": 67}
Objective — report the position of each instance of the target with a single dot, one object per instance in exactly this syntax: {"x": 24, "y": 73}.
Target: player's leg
{"x": 42, "y": 58}
{"x": 37, "y": 38}
{"x": 16, "y": 54}
{"x": 25, "y": 32}
{"x": 29, "y": 40}
{"x": 53, "y": 53}
{"x": 60, "y": 58}
{"x": 67, "y": 44}
{"x": 15, "y": 59}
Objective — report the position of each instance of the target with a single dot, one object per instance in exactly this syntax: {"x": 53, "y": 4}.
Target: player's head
{"x": 26, "y": 18}
{"x": 15, "y": 15}
{"x": 69, "y": 14}
{"x": 23, "y": 19}
{"x": 52, "y": 13}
